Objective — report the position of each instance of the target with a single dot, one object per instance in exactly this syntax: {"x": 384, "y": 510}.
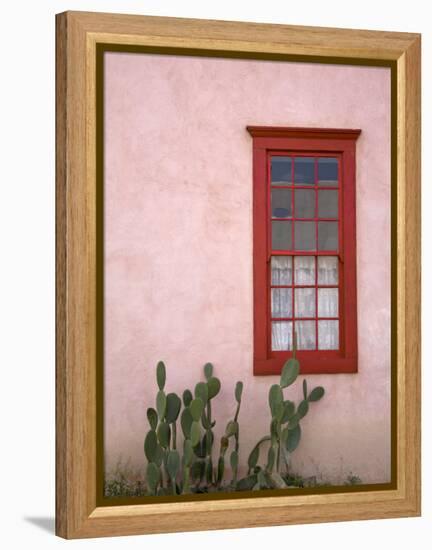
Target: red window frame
{"x": 268, "y": 141}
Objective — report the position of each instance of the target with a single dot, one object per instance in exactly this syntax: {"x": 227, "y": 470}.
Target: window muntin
{"x": 304, "y": 219}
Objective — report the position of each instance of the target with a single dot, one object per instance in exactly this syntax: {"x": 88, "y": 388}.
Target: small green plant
{"x": 353, "y": 480}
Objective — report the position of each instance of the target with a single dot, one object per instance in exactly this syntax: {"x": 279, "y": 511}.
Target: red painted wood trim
{"x": 317, "y": 142}
{"x": 305, "y": 133}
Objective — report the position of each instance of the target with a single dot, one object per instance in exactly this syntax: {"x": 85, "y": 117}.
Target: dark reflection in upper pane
{"x": 305, "y": 236}
{"x": 328, "y": 171}
{"x": 304, "y": 171}
{"x": 304, "y": 203}
{"x": 281, "y": 235}
{"x": 281, "y": 170}
{"x": 328, "y": 236}
{"x": 328, "y": 204}
{"x": 281, "y": 203}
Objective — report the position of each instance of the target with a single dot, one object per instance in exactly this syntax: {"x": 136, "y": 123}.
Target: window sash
{"x": 304, "y": 142}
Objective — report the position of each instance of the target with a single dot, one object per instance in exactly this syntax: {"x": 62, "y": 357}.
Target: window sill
{"x": 329, "y": 362}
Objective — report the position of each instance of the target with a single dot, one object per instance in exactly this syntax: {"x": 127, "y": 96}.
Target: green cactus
{"x": 316, "y": 394}
{"x": 201, "y": 392}
{"x": 187, "y": 462}
{"x": 195, "y": 433}
{"x": 194, "y": 412}
{"x": 161, "y": 404}
{"x": 153, "y": 477}
{"x": 187, "y": 398}
{"x": 208, "y": 371}
{"x": 234, "y": 459}
{"x": 152, "y": 418}
{"x": 196, "y": 408}
{"x": 186, "y": 422}
{"x": 213, "y": 386}
{"x": 285, "y": 430}
{"x": 161, "y": 375}
{"x": 150, "y": 446}
{"x": 164, "y": 434}
{"x": 173, "y": 466}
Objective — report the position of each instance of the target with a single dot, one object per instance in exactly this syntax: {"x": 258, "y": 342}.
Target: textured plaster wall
{"x": 178, "y": 246}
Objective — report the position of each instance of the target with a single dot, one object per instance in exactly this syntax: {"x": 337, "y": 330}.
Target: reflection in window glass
{"x": 281, "y": 203}
{"x": 281, "y": 235}
{"x": 328, "y": 171}
{"x": 281, "y": 270}
{"x": 282, "y": 335}
{"x": 281, "y": 170}
{"x": 327, "y": 204}
{"x": 304, "y": 171}
{"x": 304, "y": 203}
{"x": 327, "y": 235}
{"x": 305, "y": 238}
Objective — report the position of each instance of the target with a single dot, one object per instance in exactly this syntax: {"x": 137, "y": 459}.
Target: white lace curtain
{"x": 305, "y": 302}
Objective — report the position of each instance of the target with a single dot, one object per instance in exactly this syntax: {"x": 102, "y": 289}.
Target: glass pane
{"x": 328, "y": 171}
{"x": 327, "y": 204}
{"x": 281, "y": 236}
{"x": 328, "y": 302}
{"x": 305, "y": 333}
{"x": 282, "y": 335}
{"x": 328, "y": 334}
{"x": 304, "y": 270}
{"x": 281, "y": 171}
{"x": 281, "y": 270}
{"x": 281, "y": 203}
{"x": 304, "y": 171}
{"x": 327, "y": 236}
{"x": 305, "y": 238}
{"x": 304, "y": 302}
{"x": 281, "y": 302}
{"x": 305, "y": 203}
{"x": 327, "y": 270}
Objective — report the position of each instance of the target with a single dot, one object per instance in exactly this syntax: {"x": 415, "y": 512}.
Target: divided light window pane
{"x": 328, "y": 299}
{"x": 281, "y": 171}
{"x": 281, "y": 302}
{"x": 304, "y": 203}
{"x": 305, "y": 238}
{"x": 304, "y": 302}
{"x": 328, "y": 335}
{"x": 328, "y": 172}
{"x": 304, "y": 171}
{"x": 282, "y": 336}
{"x": 327, "y": 270}
{"x": 281, "y": 203}
{"x": 281, "y": 235}
{"x": 328, "y": 204}
{"x": 304, "y": 270}
{"x": 327, "y": 236}
{"x": 305, "y": 331}
{"x": 281, "y": 270}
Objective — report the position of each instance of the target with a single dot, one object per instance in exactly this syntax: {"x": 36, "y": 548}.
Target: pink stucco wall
{"x": 178, "y": 246}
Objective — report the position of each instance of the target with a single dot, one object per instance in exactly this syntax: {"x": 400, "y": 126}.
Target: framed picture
{"x": 238, "y": 274}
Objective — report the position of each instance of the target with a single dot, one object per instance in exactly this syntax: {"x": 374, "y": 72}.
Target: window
{"x": 304, "y": 249}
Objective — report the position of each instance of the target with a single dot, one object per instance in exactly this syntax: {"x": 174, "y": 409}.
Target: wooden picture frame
{"x": 81, "y": 38}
